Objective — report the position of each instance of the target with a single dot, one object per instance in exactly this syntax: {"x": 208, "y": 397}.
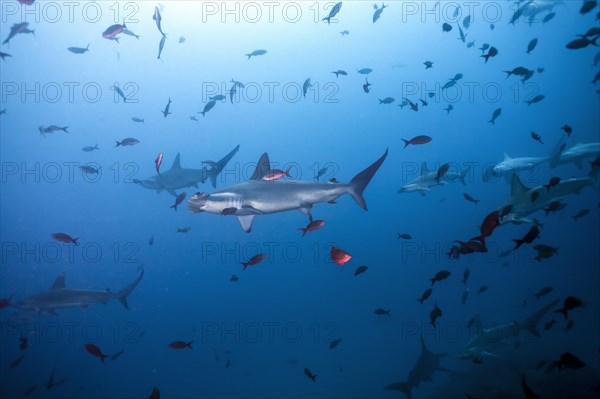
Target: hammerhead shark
{"x": 523, "y": 201}
{"x": 262, "y": 197}
{"x": 178, "y": 177}
{"x": 61, "y": 297}
{"x": 427, "y": 364}
{"x": 429, "y": 179}
{"x": 485, "y": 340}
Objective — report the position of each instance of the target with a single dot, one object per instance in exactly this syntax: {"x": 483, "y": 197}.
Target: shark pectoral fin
{"x": 252, "y": 210}
{"x": 213, "y": 180}
{"x": 172, "y": 192}
{"x": 246, "y": 222}
{"x": 305, "y": 209}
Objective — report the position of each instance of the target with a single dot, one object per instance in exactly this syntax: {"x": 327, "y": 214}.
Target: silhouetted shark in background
{"x": 177, "y": 177}
{"x": 262, "y": 197}
{"x": 61, "y": 297}
{"x": 427, "y": 364}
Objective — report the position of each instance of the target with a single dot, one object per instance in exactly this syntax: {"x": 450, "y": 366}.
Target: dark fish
{"x": 492, "y": 52}
{"x": 535, "y": 100}
{"x": 467, "y": 22}
{"x": 570, "y": 303}
{"x": 136, "y": 119}
{"x": 158, "y": 162}
{"x": 534, "y": 196}
{"x": 426, "y": 294}
{"x": 417, "y": 140}
{"x": 552, "y": 182}
{"x": 439, "y": 276}
{"x": 51, "y": 129}
{"x": 495, "y": 115}
{"x": 158, "y": 19}
{"x": 335, "y": 343}
{"x": 116, "y": 355}
{"x": 470, "y": 199}
{"x": 305, "y": 86}
{"x": 465, "y": 295}
{"x": 4, "y": 55}
{"x": 588, "y": 6}
{"x": 344, "y": 32}
{"x": 218, "y": 97}
{"x": 428, "y": 64}
{"x": 16, "y": 29}
{"x": 16, "y": 362}
{"x": 79, "y": 50}
{"x": 466, "y": 275}
{"x": 161, "y": 46}
{"x": 180, "y": 345}
{"x": 404, "y": 236}
{"x": 413, "y": 106}
{"x": 365, "y": 71}
{"x": 119, "y": 92}
{"x": 548, "y": 17}
{"x": 228, "y": 363}
{"x": 529, "y": 394}
{"x": 151, "y": 241}
{"x": 256, "y": 52}
{"x": 234, "y": 278}
{"x": 581, "y": 43}
{"x": 442, "y": 172}
{"x": 178, "y": 200}
{"x": 127, "y": 142}
{"x": 186, "y": 229}
{"x": 23, "y": 344}
{"x": 320, "y": 173}
{"x": 89, "y": 170}
{"x": 387, "y": 100}
{"x": 232, "y": 210}
{"x": 360, "y": 270}
{"x": 155, "y": 392}
{"x": 381, "y": 312}
{"x": 254, "y": 260}
{"x": 580, "y": 214}
{"x": 549, "y": 324}
{"x": 378, "y": 11}
{"x": 339, "y": 256}
{"x": 449, "y": 108}
{"x": 569, "y": 361}
{"x": 543, "y": 291}
{"x": 554, "y": 206}
{"x": 333, "y": 12}
{"x": 482, "y": 289}
{"x": 166, "y": 110}
{"x": 29, "y": 390}
{"x": 531, "y": 235}
{"x": 208, "y": 106}
{"x": 531, "y": 45}
{"x": 366, "y": 86}
{"x": 113, "y": 30}
{"x": 95, "y": 351}
{"x": 340, "y": 72}
{"x": 62, "y": 237}
{"x": 435, "y": 313}
{"x": 536, "y": 137}
{"x": 310, "y": 375}
{"x": 569, "y": 325}
{"x": 446, "y": 27}
{"x": 312, "y": 226}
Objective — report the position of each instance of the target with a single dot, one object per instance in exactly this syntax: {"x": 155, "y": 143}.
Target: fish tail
{"x": 102, "y": 357}
{"x": 118, "y": 143}
{"x": 122, "y": 295}
{"x": 202, "y": 113}
{"x": 174, "y": 207}
{"x": 564, "y": 312}
{"x": 406, "y": 143}
{"x": 359, "y": 183}
{"x": 519, "y": 243}
{"x": 189, "y": 344}
{"x": 64, "y": 129}
{"x": 245, "y": 264}
{"x": 491, "y": 121}
{"x": 328, "y": 19}
{"x": 303, "y": 231}
{"x": 249, "y": 55}
{"x": 420, "y": 300}
{"x": 75, "y": 241}
{"x": 314, "y": 378}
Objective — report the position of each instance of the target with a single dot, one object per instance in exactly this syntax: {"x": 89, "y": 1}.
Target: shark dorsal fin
{"x": 507, "y": 157}
{"x": 262, "y": 167}
{"x": 424, "y": 170}
{"x": 59, "y": 282}
{"x": 176, "y": 163}
{"x": 516, "y": 186}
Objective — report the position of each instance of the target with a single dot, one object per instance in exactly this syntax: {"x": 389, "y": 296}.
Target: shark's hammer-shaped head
{"x": 197, "y": 202}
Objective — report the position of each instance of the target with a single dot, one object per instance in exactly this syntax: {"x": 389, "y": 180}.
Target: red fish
{"x": 339, "y": 256}
{"x": 312, "y": 226}
{"x": 62, "y": 237}
{"x": 254, "y": 260}
{"x": 95, "y": 351}
{"x": 417, "y": 140}
{"x": 113, "y": 30}
{"x": 441, "y": 172}
{"x": 275, "y": 174}
{"x": 180, "y": 345}
{"x": 490, "y": 222}
{"x": 157, "y": 162}
{"x": 155, "y": 394}
{"x": 5, "y": 302}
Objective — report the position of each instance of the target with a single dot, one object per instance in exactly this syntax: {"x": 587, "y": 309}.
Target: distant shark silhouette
{"x": 177, "y": 177}
{"x": 427, "y": 364}
{"x": 429, "y": 179}
{"x": 487, "y": 339}
{"x": 61, "y": 297}
{"x": 262, "y": 197}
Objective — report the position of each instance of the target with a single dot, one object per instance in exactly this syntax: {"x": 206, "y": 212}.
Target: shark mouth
{"x": 197, "y": 202}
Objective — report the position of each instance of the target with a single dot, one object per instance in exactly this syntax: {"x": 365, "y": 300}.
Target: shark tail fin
{"x": 530, "y": 324}
{"x": 403, "y": 387}
{"x": 122, "y": 295}
{"x": 361, "y": 180}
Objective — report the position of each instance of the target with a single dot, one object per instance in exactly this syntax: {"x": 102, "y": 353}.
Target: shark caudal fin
{"x": 403, "y": 387}
{"x": 361, "y": 180}
{"x": 530, "y": 323}
{"x": 122, "y": 295}
{"x": 220, "y": 165}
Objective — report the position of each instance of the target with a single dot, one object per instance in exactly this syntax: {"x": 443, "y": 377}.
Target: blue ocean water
{"x": 254, "y": 338}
